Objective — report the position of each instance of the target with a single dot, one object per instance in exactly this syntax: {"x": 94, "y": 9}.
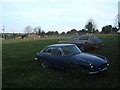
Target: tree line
{"x": 90, "y": 27}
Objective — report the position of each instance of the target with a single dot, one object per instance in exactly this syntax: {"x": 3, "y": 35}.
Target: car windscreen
{"x": 70, "y": 50}
{"x": 95, "y": 39}
{"x": 74, "y": 39}
{"x": 83, "y": 38}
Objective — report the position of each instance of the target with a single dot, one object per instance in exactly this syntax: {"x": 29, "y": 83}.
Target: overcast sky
{"x": 56, "y": 15}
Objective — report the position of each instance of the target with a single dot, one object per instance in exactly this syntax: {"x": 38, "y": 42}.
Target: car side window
{"x": 81, "y": 38}
{"x": 48, "y": 50}
{"x": 75, "y": 39}
{"x": 56, "y": 51}
{"x": 85, "y": 38}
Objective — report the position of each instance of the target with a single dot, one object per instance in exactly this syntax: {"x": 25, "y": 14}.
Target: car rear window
{"x": 75, "y": 38}
{"x": 95, "y": 39}
{"x": 83, "y": 38}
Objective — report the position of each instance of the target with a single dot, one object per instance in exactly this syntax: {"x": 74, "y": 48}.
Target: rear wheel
{"x": 44, "y": 64}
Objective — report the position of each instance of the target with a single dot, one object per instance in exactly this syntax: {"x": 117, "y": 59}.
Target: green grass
{"x": 20, "y": 70}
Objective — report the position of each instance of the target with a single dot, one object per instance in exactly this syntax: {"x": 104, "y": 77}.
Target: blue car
{"x": 69, "y": 57}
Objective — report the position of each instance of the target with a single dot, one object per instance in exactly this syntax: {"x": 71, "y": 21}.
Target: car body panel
{"x": 57, "y": 61}
{"x": 96, "y": 61}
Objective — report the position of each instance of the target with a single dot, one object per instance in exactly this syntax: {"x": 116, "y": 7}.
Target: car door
{"x": 59, "y": 60}
{"x": 48, "y": 55}
{"x": 86, "y": 42}
{"x": 55, "y": 58}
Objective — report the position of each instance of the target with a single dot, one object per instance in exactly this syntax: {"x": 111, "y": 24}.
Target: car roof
{"x": 60, "y": 45}
{"x": 84, "y": 36}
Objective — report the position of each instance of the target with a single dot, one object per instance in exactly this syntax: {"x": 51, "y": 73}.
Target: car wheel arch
{"x": 76, "y": 65}
{"x": 44, "y": 63}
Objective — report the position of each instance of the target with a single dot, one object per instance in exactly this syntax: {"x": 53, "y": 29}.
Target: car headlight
{"x": 107, "y": 64}
{"x": 91, "y": 66}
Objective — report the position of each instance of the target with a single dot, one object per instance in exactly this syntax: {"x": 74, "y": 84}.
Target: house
{"x": 32, "y": 36}
{"x": 118, "y": 31}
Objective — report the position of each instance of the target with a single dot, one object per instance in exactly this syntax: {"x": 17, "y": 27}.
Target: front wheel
{"x": 75, "y": 69}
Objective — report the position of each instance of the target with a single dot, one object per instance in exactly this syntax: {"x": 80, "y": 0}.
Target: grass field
{"x": 20, "y": 70}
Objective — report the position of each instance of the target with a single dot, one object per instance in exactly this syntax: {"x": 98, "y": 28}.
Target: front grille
{"x": 102, "y": 67}
{"x": 98, "y": 68}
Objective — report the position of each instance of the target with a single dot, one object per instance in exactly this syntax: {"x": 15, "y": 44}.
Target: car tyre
{"x": 44, "y": 64}
{"x": 74, "y": 69}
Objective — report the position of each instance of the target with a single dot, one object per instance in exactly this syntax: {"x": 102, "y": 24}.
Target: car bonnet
{"x": 95, "y": 60}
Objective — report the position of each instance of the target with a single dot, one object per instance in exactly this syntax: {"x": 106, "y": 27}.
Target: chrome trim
{"x": 103, "y": 69}
{"x": 108, "y": 64}
{"x": 98, "y": 71}
{"x": 91, "y": 66}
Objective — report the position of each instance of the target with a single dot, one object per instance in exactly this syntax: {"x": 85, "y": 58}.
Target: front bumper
{"x": 98, "y": 71}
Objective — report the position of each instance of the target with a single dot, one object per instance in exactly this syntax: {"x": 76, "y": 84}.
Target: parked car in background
{"x": 69, "y": 57}
{"x": 23, "y": 36}
{"x": 20, "y": 37}
{"x": 85, "y": 42}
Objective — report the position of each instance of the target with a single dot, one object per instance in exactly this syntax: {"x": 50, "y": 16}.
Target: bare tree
{"x": 35, "y": 30}
{"x": 39, "y": 30}
{"x": 28, "y": 29}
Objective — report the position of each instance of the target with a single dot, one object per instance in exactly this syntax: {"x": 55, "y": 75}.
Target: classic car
{"x": 85, "y": 42}
{"x": 69, "y": 58}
